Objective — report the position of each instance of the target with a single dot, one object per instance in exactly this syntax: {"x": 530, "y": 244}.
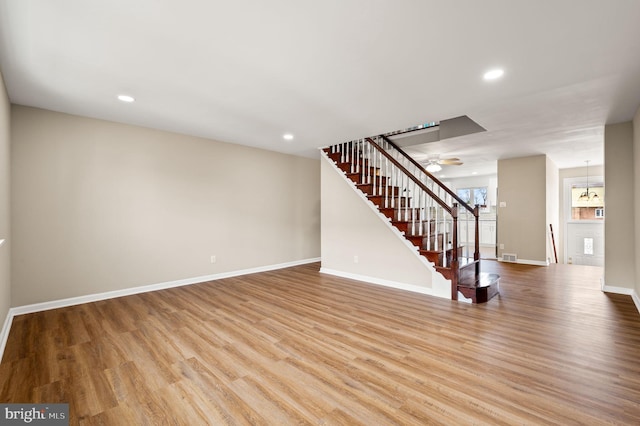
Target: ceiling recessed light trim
{"x": 493, "y": 74}
{"x": 126, "y": 98}
{"x": 287, "y": 137}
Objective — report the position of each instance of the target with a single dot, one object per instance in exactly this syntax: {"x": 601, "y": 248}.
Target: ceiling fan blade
{"x": 450, "y": 162}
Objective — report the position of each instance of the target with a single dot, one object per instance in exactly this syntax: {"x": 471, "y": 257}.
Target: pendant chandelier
{"x": 588, "y": 196}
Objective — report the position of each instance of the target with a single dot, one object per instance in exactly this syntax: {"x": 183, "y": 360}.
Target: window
{"x": 587, "y": 202}
{"x": 588, "y": 246}
{"x": 465, "y": 195}
{"x": 473, "y": 196}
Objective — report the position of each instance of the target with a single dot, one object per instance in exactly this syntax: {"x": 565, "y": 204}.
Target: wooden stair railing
{"x": 419, "y": 206}
{"x": 475, "y": 211}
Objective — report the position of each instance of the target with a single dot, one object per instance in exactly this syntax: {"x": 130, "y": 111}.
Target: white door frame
{"x": 566, "y": 214}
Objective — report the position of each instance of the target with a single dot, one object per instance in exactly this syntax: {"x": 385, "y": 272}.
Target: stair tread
{"x": 390, "y": 196}
{"x": 462, "y": 261}
{"x": 484, "y": 280}
{"x": 411, "y": 221}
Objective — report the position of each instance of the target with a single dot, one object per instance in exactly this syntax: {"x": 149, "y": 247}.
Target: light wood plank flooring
{"x": 298, "y": 347}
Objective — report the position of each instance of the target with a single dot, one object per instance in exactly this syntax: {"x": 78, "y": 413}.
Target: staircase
{"x": 430, "y": 215}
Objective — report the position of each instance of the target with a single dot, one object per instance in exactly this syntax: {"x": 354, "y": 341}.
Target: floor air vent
{"x": 509, "y": 257}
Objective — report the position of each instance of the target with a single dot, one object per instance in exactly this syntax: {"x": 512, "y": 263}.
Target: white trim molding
{"x": 378, "y": 281}
{"x": 636, "y": 300}
{"x": 618, "y": 290}
{"x": 4, "y": 334}
{"x": 528, "y": 262}
{"x": 625, "y": 291}
{"x": 62, "y": 303}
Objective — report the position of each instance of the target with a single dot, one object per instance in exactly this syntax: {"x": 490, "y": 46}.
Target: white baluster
{"x": 393, "y": 180}
{"x": 369, "y": 161}
{"x": 429, "y": 222}
{"x": 405, "y": 185}
{"x": 445, "y": 239}
{"x": 382, "y": 159}
{"x": 414, "y": 194}
{"x": 374, "y": 165}
{"x": 436, "y": 224}
{"x": 422, "y": 197}
{"x": 372, "y": 161}
{"x": 386, "y": 187}
{"x": 361, "y": 158}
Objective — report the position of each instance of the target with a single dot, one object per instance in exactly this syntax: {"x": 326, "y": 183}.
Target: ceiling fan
{"x": 434, "y": 163}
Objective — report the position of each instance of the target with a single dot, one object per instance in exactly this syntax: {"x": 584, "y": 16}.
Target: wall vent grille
{"x": 509, "y": 257}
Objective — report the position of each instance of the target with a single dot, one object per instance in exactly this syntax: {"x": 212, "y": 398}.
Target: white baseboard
{"x": 636, "y": 300}
{"x": 62, "y": 303}
{"x": 378, "y": 281}
{"x": 528, "y": 262}
{"x": 624, "y": 290}
{"x": 617, "y": 290}
{"x": 5, "y": 332}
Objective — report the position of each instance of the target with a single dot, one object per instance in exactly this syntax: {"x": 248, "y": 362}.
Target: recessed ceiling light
{"x": 287, "y": 136}
{"x": 126, "y": 98}
{"x": 493, "y": 74}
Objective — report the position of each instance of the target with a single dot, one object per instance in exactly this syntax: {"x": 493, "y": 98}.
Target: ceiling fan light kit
{"x": 434, "y": 163}
{"x": 433, "y": 167}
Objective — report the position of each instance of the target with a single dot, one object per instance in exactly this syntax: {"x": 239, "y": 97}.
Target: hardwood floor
{"x": 298, "y": 347}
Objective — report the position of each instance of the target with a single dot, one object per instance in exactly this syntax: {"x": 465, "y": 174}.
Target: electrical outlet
{"x": 213, "y": 259}
{"x": 501, "y": 246}
{"x": 355, "y": 259}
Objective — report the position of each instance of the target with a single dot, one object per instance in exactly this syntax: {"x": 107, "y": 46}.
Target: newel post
{"x": 455, "y": 271}
{"x": 476, "y": 214}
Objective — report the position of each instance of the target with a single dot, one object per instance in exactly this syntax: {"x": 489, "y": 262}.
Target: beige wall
{"x": 351, "y": 228}
{"x": 619, "y": 228}
{"x": 522, "y": 185}
{"x": 552, "y": 206}
{"x": 636, "y": 170}
{"x": 99, "y": 206}
{"x": 5, "y": 278}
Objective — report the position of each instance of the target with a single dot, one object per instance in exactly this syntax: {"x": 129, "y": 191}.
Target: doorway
{"x": 584, "y": 214}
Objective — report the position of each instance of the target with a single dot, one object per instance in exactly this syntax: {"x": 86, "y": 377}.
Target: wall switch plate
{"x": 213, "y": 259}
{"x": 355, "y": 259}
{"x": 501, "y": 246}
{"x": 503, "y": 204}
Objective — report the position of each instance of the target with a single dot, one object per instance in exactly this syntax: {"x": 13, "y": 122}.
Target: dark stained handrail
{"x": 432, "y": 177}
{"x": 474, "y": 210}
{"x": 410, "y": 176}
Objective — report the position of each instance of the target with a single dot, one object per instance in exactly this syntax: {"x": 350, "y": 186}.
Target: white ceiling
{"x": 330, "y": 71}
